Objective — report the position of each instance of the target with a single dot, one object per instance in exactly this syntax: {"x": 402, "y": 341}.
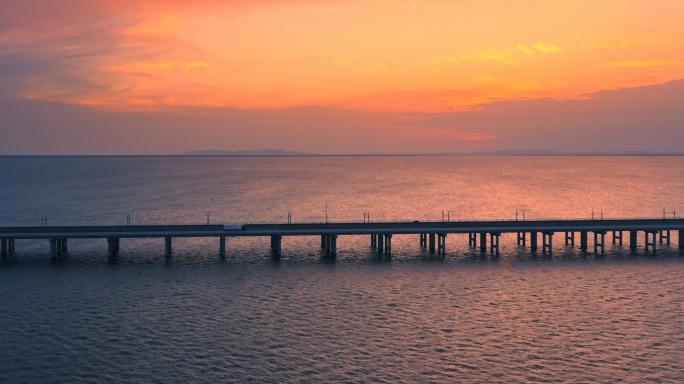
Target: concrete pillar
{"x": 53, "y": 248}
{"x": 633, "y": 243}
{"x": 276, "y": 245}
{"x": 64, "y": 245}
{"x": 647, "y": 236}
{"x": 432, "y": 242}
{"x": 570, "y": 238}
{"x": 584, "y": 240}
{"x": 167, "y": 247}
{"x": 533, "y": 241}
{"x": 3, "y": 247}
{"x": 423, "y": 240}
{"x": 381, "y": 243}
{"x": 522, "y": 239}
{"x": 483, "y": 241}
{"x": 331, "y": 248}
{"x": 681, "y": 238}
{"x": 373, "y": 240}
{"x": 617, "y": 235}
{"x": 472, "y": 240}
{"x": 441, "y": 243}
{"x": 665, "y": 235}
{"x": 600, "y": 243}
{"x": 112, "y": 247}
{"x": 547, "y": 242}
{"x": 494, "y": 243}
{"x": 388, "y": 244}
{"x": 222, "y": 247}
{"x": 323, "y": 241}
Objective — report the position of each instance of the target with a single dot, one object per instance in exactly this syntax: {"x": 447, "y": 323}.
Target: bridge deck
{"x": 350, "y": 228}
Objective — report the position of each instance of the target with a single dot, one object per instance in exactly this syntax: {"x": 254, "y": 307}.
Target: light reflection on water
{"x": 467, "y": 317}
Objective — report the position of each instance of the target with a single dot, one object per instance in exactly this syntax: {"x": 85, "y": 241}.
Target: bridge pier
{"x": 665, "y": 235}
{"x": 423, "y": 240}
{"x": 472, "y": 239}
{"x": 381, "y": 243}
{"x": 431, "y": 242}
{"x": 483, "y": 242}
{"x": 330, "y": 248}
{"x": 584, "y": 240}
{"x": 617, "y": 235}
{"x": 388, "y": 244}
{"x": 276, "y": 245}
{"x": 533, "y": 241}
{"x": 222, "y": 247}
{"x": 521, "y": 239}
{"x": 647, "y": 235}
{"x": 633, "y": 243}
{"x": 547, "y": 242}
{"x": 112, "y": 247}
{"x": 494, "y": 243}
{"x": 6, "y": 247}
{"x": 167, "y": 247}
{"x": 441, "y": 243}
{"x": 681, "y": 239}
{"x": 373, "y": 240}
{"x": 570, "y": 238}
{"x": 602, "y": 243}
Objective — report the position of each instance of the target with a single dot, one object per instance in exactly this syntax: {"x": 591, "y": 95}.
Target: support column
{"x": 533, "y": 241}
{"x": 494, "y": 243}
{"x": 522, "y": 239}
{"x": 423, "y": 240}
{"x": 276, "y": 245}
{"x": 665, "y": 235}
{"x": 472, "y": 240}
{"x": 381, "y": 243}
{"x": 374, "y": 241}
{"x": 323, "y": 241}
{"x": 633, "y": 243}
{"x": 167, "y": 247}
{"x": 584, "y": 240}
{"x": 647, "y": 235}
{"x": 483, "y": 241}
{"x": 681, "y": 238}
{"x": 63, "y": 243}
{"x": 601, "y": 243}
{"x": 3, "y": 246}
{"x": 617, "y": 235}
{"x": 441, "y": 247}
{"x": 332, "y": 245}
{"x": 388, "y": 244}
{"x": 432, "y": 242}
{"x": 222, "y": 247}
{"x": 570, "y": 238}
{"x": 547, "y": 240}
{"x": 112, "y": 247}
{"x": 53, "y": 248}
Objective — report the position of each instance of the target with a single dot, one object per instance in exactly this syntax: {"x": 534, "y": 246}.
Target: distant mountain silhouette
{"x": 261, "y": 152}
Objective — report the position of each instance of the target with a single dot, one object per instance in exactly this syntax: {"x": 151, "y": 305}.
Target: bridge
{"x": 484, "y": 235}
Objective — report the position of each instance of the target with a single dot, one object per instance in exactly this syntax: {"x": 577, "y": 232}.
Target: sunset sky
{"x": 333, "y": 76}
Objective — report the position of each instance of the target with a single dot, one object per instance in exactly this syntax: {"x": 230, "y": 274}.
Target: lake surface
{"x": 412, "y": 317}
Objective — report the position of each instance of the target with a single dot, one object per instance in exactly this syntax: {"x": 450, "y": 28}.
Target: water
{"x": 414, "y": 317}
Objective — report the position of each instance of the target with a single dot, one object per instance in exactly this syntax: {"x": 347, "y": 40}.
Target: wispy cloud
{"x": 647, "y": 63}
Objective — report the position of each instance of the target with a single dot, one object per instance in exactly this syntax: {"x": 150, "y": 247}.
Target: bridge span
{"x": 484, "y": 235}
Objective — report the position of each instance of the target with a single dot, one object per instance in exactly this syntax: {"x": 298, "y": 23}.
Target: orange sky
{"x": 378, "y": 56}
